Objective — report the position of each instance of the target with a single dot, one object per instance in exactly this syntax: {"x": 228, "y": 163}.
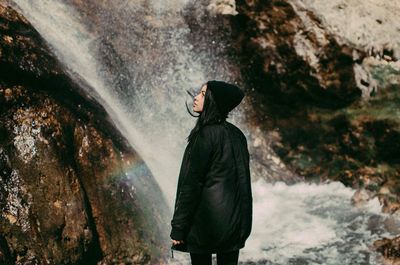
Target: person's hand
{"x": 176, "y": 242}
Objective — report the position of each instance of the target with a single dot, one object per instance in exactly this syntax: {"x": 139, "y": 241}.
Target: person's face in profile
{"x": 198, "y": 101}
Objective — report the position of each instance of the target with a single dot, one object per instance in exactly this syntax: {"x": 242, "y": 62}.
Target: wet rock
{"x": 307, "y": 111}
{"x": 266, "y": 162}
{"x": 390, "y": 249}
{"x": 325, "y": 120}
{"x": 72, "y": 190}
{"x": 361, "y": 196}
{"x": 294, "y": 57}
{"x": 224, "y": 7}
{"x": 331, "y": 95}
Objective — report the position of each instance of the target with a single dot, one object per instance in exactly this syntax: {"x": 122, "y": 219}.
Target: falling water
{"x": 149, "y": 110}
{"x": 137, "y": 58}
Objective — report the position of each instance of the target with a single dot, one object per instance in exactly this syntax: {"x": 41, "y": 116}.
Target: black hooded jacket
{"x": 213, "y": 205}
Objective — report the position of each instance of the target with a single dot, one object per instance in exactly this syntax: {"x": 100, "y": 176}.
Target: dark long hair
{"x": 209, "y": 115}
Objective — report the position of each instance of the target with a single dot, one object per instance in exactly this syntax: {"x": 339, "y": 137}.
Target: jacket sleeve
{"x": 247, "y": 197}
{"x": 192, "y": 185}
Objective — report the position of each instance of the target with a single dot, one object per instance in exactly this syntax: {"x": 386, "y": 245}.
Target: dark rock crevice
{"x": 6, "y": 256}
{"x": 93, "y": 253}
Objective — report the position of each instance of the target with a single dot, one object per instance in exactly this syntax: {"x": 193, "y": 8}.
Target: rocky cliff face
{"x": 328, "y": 120}
{"x": 72, "y": 191}
{"x": 309, "y": 91}
{"x": 321, "y": 100}
{"x": 330, "y": 99}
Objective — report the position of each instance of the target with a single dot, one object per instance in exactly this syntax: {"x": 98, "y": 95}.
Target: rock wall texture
{"x": 331, "y": 103}
{"x": 305, "y": 90}
{"x": 72, "y": 190}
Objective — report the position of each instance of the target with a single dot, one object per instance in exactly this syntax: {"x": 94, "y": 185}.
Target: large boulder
{"x": 72, "y": 190}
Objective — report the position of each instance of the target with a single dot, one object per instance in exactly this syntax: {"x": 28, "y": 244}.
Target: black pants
{"x": 226, "y": 258}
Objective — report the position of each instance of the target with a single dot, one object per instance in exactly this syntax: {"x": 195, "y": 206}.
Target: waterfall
{"x": 155, "y": 121}
{"x": 139, "y": 62}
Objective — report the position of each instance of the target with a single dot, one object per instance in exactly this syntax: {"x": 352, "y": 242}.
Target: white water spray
{"x": 161, "y": 146}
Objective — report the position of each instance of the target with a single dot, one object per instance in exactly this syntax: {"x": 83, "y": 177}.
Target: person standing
{"x": 214, "y": 204}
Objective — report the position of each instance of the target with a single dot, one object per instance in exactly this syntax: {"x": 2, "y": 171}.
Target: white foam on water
{"x": 308, "y": 222}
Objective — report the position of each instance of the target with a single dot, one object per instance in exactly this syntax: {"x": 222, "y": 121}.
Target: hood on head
{"x": 227, "y": 96}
